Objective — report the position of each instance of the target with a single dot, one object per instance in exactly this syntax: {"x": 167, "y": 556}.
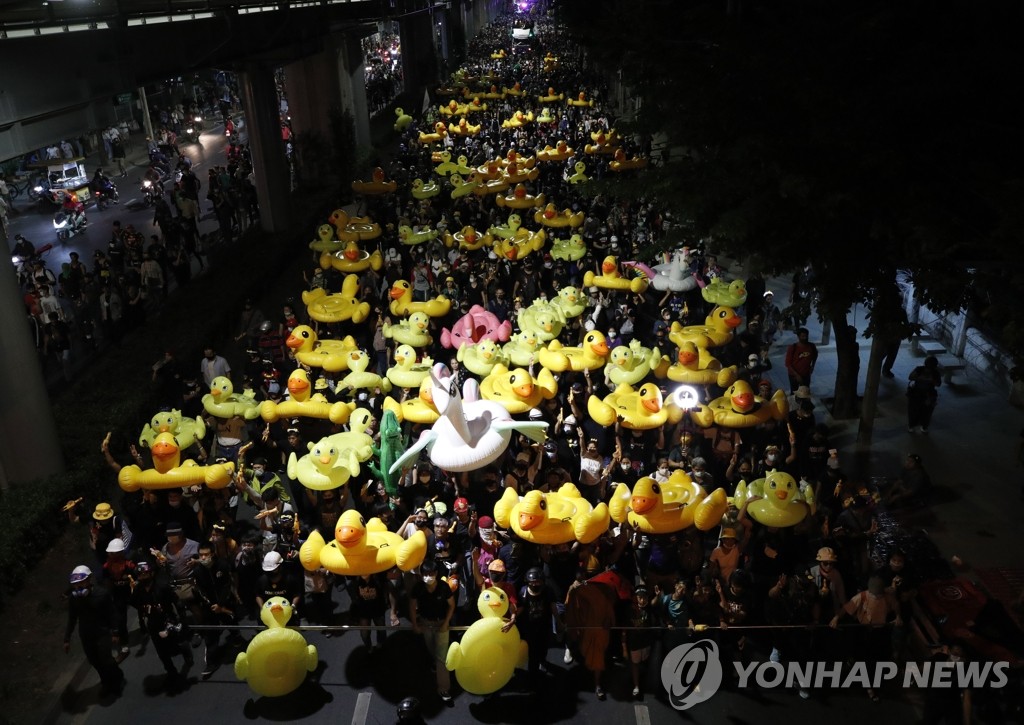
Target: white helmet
{"x": 116, "y": 546}
{"x": 80, "y": 573}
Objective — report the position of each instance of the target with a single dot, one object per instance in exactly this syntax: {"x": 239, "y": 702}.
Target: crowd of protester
{"x": 383, "y": 72}
{"x": 218, "y": 554}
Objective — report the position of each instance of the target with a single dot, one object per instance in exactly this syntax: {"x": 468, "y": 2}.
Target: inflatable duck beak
{"x": 293, "y": 342}
{"x": 743, "y": 401}
{"x": 781, "y": 494}
{"x": 686, "y": 357}
{"x": 276, "y": 608}
{"x": 215, "y": 392}
{"x": 523, "y": 391}
{"x": 529, "y": 521}
{"x": 652, "y": 404}
{"x": 349, "y": 535}
{"x": 600, "y": 348}
{"x": 641, "y": 504}
{"x": 733, "y": 321}
{"x": 396, "y": 293}
{"x": 608, "y": 268}
{"x": 297, "y": 386}
{"x": 351, "y": 254}
{"x": 495, "y": 603}
{"x": 325, "y": 458}
{"x": 164, "y": 450}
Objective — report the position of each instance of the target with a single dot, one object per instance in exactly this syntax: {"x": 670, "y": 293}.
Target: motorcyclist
{"x": 101, "y": 183}
{"x": 158, "y": 159}
{"x": 23, "y": 248}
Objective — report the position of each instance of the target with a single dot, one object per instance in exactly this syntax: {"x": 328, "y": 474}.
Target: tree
{"x": 851, "y": 137}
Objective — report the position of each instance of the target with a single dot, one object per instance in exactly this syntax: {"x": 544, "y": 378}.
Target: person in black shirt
{"x": 370, "y": 597}
{"x": 214, "y": 590}
{"x": 91, "y": 610}
{"x": 277, "y": 581}
{"x": 431, "y": 608}
{"x": 155, "y": 603}
{"x": 536, "y": 606}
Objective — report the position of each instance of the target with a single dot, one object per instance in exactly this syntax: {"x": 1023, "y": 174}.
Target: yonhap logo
{"x": 691, "y": 673}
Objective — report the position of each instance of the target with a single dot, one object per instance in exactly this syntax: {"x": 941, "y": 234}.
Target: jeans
{"x": 437, "y": 645}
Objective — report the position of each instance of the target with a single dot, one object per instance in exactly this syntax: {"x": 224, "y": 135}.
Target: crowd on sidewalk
{"x": 218, "y": 554}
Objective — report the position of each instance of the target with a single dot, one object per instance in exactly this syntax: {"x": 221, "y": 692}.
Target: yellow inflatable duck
{"x": 330, "y": 355}
{"x": 417, "y": 409}
{"x": 641, "y": 409}
{"x": 518, "y": 120}
{"x": 362, "y": 547}
{"x": 552, "y": 518}
{"x": 407, "y": 236}
{"x": 186, "y": 431}
{"x": 545, "y": 320}
{"x": 560, "y": 152}
{"x": 486, "y": 657}
{"x": 376, "y": 187}
{"x": 546, "y": 116}
{"x": 469, "y": 239}
{"x": 581, "y": 101}
{"x": 516, "y": 90}
{"x": 463, "y": 128}
{"x": 353, "y": 229}
{"x": 498, "y": 54}
{"x": 604, "y": 143}
{"x": 351, "y": 259}
{"x": 481, "y": 357}
{"x": 223, "y": 402}
{"x": 741, "y": 408}
{"x": 325, "y": 241}
{"x": 591, "y": 355}
{"x": 621, "y": 162}
{"x": 447, "y": 166}
{"x": 494, "y": 186}
{"x": 570, "y": 301}
{"x": 169, "y": 472}
{"x": 697, "y": 366}
{"x": 358, "y": 377}
{"x": 489, "y": 171}
{"x": 414, "y": 332}
{"x": 462, "y": 187}
{"x": 520, "y": 199}
{"x": 514, "y": 157}
{"x": 520, "y": 245}
{"x": 664, "y": 508}
{"x": 631, "y": 364}
{"x": 403, "y": 120}
{"x": 301, "y": 404}
{"x": 277, "y": 659}
{"x": 569, "y": 250}
{"x": 440, "y": 131}
{"x": 423, "y": 191}
{"x": 726, "y": 294}
{"x": 402, "y": 303}
{"x": 717, "y": 330}
{"x": 551, "y": 97}
{"x": 611, "y": 278}
{"x": 507, "y": 230}
{"x": 549, "y": 216}
{"x": 517, "y": 390}
{"x": 453, "y": 108}
{"x": 516, "y": 173}
{"x": 775, "y": 500}
{"x": 406, "y": 372}
{"x": 326, "y": 466}
{"x": 338, "y": 307}
{"x": 522, "y": 349}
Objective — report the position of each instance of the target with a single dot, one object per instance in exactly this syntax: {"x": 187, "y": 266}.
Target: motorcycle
{"x": 151, "y": 191}
{"x": 106, "y": 195}
{"x": 68, "y": 223}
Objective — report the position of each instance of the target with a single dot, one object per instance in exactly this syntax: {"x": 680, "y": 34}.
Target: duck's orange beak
{"x": 349, "y": 535}
{"x": 642, "y": 504}
{"x": 523, "y": 391}
{"x": 293, "y": 342}
{"x": 743, "y": 401}
{"x": 396, "y": 293}
{"x": 276, "y": 608}
{"x": 297, "y": 386}
{"x": 781, "y": 494}
{"x": 600, "y": 348}
{"x": 733, "y": 321}
{"x": 651, "y": 404}
{"x": 686, "y": 357}
{"x": 608, "y": 268}
{"x": 163, "y": 450}
{"x": 529, "y": 521}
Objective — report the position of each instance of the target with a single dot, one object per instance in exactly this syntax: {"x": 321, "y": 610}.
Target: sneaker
{"x": 567, "y": 657}
{"x": 636, "y": 692}
{"x": 600, "y": 693}
{"x": 207, "y": 673}
{"x": 196, "y": 640}
{"x": 804, "y": 694}
{"x": 446, "y": 697}
{"x": 775, "y": 656}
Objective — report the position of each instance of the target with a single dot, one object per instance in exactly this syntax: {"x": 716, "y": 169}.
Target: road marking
{"x": 362, "y": 708}
{"x": 643, "y": 715}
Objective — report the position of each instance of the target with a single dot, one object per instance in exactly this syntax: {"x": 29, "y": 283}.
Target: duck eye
{"x": 656, "y": 488}
{"x": 723, "y": 314}
{"x": 543, "y": 504}
{"x": 362, "y": 521}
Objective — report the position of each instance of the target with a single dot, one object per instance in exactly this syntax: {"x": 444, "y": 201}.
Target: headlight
{"x": 15, "y": 260}
{"x": 198, "y": 119}
{"x": 38, "y": 189}
{"x": 147, "y": 183}
{"x": 189, "y": 130}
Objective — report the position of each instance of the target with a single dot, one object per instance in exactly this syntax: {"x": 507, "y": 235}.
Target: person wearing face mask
{"x": 91, "y": 611}
{"x": 214, "y": 592}
{"x": 774, "y": 460}
{"x": 213, "y": 366}
{"x": 159, "y": 617}
{"x": 662, "y": 471}
{"x": 873, "y": 609}
{"x": 431, "y": 606}
{"x": 537, "y": 608}
{"x": 118, "y": 572}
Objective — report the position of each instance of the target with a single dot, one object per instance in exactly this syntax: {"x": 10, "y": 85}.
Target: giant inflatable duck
{"x": 402, "y": 304}
{"x": 169, "y": 472}
{"x": 330, "y": 355}
{"x": 338, "y": 307}
{"x": 301, "y": 404}
{"x": 362, "y": 547}
{"x": 641, "y": 409}
{"x": 663, "y": 508}
{"x": 739, "y": 407}
{"x": 223, "y": 402}
{"x": 552, "y": 518}
{"x": 590, "y": 355}
{"x": 517, "y": 390}
{"x": 717, "y": 330}
{"x": 775, "y": 500}
{"x": 611, "y": 278}
{"x": 186, "y": 431}
{"x": 487, "y": 656}
{"x": 277, "y": 659}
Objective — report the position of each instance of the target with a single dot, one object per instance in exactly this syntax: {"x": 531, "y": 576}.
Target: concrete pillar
{"x": 29, "y": 446}
{"x": 419, "y": 62}
{"x": 352, "y": 84}
{"x": 263, "y": 124}
{"x": 314, "y": 89}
